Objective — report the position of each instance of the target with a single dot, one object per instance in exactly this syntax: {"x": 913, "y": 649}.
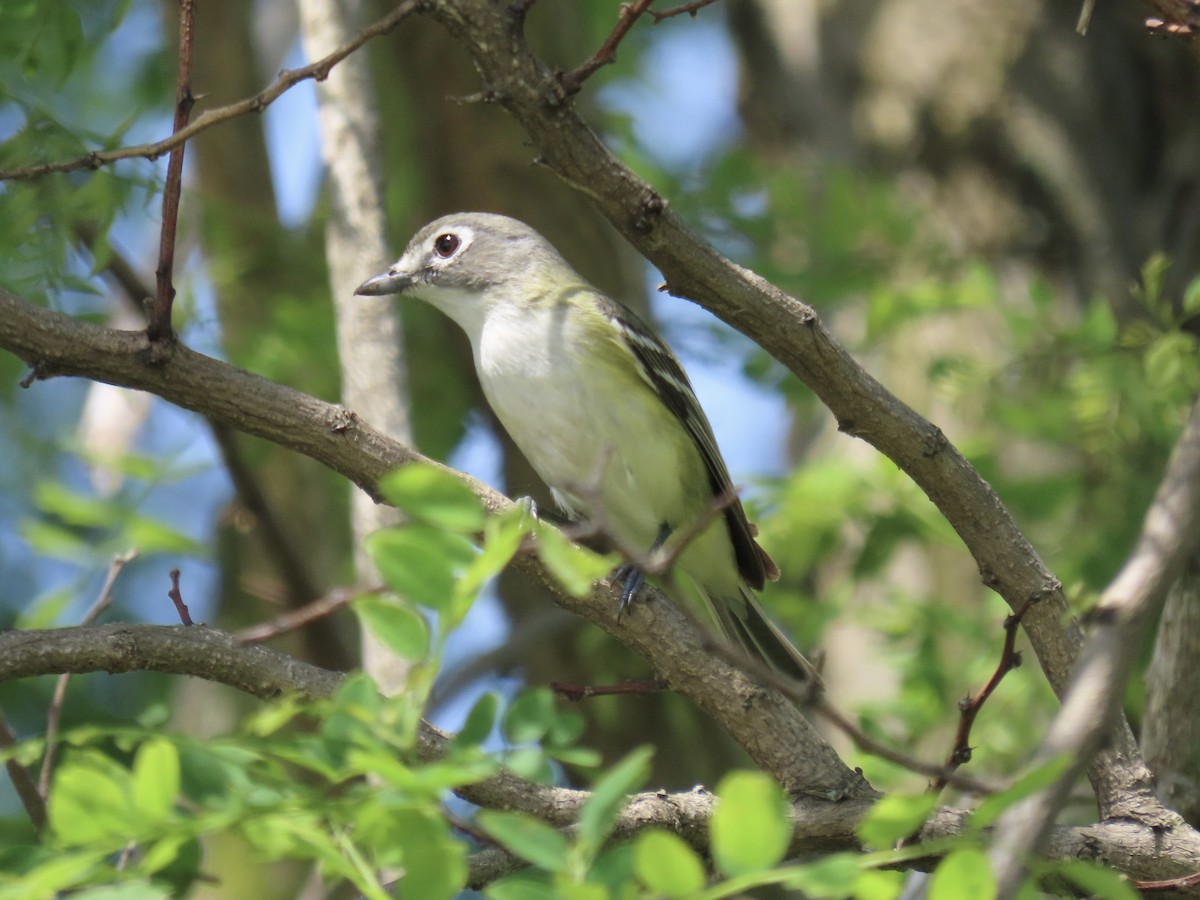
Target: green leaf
{"x": 420, "y": 563}
{"x": 751, "y": 828}
{"x": 1031, "y": 782}
{"x": 963, "y": 873}
{"x": 833, "y": 876}
{"x": 609, "y": 796}
{"x": 398, "y": 626}
{"x": 433, "y": 496}
{"x": 895, "y": 817}
{"x": 90, "y": 802}
{"x": 529, "y": 838}
{"x": 502, "y": 538}
{"x": 155, "y": 780}
{"x": 126, "y": 890}
{"x": 434, "y": 865}
{"x": 479, "y": 722}
{"x": 529, "y": 716}
{"x": 1095, "y": 880}
{"x": 529, "y": 884}
{"x": 667, "y": 865}
{"x": 575, "y": 568}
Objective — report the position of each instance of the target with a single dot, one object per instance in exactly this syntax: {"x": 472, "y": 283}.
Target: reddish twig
{"x": 177, "y": 598}
{"x": 54, "y": 715}
{"x": 577, "y": 692}
{"x": 297, "y": 618}
{"x": 1169, "y": 884}
{"x": 160, "y": 318}
{"x": 683, "y": 8}
{"x": 607, "y": 54}
{"x": 969, "y": 707}
{"x": 27, "y": 791}
{"x": 318, "y": 70}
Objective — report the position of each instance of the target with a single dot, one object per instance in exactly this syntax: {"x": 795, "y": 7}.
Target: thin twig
{"x": 960, "y": 752}
{"x": 811, "y": 696}
{"x": 607, "y": 54}
{"x": 54, "y": 715}
{"x": 27, "y": 791}
{"x": 164, "y": 297}
{"x": 683, "y": 8}
{"x": 287, "y": 78}
{"x": 1168, "y": 884}
{"x": 177, "y": 598}
{"x": 577, "y": 692}
{"x": 298, "y": 618}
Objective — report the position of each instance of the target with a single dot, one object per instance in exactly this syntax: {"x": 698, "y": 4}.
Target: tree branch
{"x": 318, "y": 70}
{"x": 1170, "y": 536}
{"x": 818, "y": 825}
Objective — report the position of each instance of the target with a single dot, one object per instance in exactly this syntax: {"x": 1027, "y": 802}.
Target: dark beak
{"x": 387, "y": 283}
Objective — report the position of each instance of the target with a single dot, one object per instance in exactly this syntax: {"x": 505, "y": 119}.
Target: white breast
{"x": 583, "y": 427}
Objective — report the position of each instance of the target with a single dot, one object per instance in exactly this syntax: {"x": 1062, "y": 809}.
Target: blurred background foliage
{"x": 998, "y": 217}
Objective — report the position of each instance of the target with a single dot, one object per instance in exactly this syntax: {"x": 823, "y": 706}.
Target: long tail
{"x": 744, "y": 621}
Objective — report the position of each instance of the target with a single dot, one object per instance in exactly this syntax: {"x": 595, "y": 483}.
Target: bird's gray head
{"x": 468, "y": 254}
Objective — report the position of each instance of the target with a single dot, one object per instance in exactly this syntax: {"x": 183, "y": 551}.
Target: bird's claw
{"x": 527, "y": 506}
{"x": 632, "y": 578}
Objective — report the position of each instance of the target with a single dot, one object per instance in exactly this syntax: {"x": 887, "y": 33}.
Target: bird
{"x": 601, "y": 408}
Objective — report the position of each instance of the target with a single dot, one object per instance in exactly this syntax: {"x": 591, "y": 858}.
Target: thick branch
{"x": 818, "y": 825}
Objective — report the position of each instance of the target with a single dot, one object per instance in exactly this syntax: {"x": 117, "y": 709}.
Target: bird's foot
{"x": 632, "y": 578}
{"x": 527, "y": 506}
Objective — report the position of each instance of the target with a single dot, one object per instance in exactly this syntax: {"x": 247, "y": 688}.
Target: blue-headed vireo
{"x": 599, "y": 405}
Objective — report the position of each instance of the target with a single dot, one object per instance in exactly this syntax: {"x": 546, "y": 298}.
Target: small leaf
{"x": 1096, "y": 881}
{"x": 529, "y": 716}
{"x": 667, "y": 865}
{"x": 420, "y": 563}
{"x": 529, "y": 838}
{"x": 963, "y": 873}
{"x": 479, "y": 722}
{"x": 610, "y": 794}
{"x": 751, "y": 828}
{"x": 575, "y": 568}
{"x": 502, "y": 538}
{"x": 433, "y": 496}
{"x": 1030, "y": 783}
{"x": 155, "y": 780}
{"x": 895, "y": 817}
{"x": 398, "y": 626}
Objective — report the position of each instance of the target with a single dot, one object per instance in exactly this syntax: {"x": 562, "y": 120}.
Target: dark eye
{"x": 445, "y": 245}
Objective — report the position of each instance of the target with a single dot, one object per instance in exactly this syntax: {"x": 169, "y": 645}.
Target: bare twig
{"x": 27, "y": 791}
{"x": 297, "y": 618}
{"x": 607, "y": 54}
{"x": 1169, "y": 884}
{"x": 177, "y": 598}
{"x": 160, "y": 319}
{"x": 960, "y": 752}
{"x": 577, "y": 692}
{"x": 683, "y": 8}
{"x": 54, "y": 715}
{"x": 318, "y": 70}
